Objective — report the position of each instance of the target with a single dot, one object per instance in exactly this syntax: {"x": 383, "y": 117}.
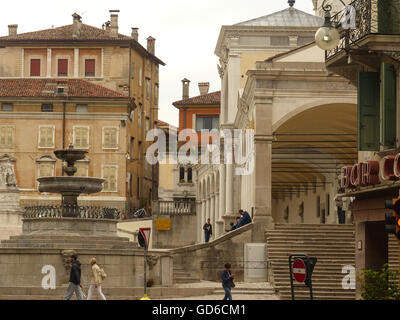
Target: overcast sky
{"x": 186, "y": 31}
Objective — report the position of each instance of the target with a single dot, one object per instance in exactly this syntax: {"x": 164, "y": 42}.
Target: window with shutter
{"x": 35, "y": 67}
{"x": 62, "y": 67}
{"x": 81, "y": 137}
{"x": 110, "y": 177}
{"x": 46, "y": 137}
{"x": 90, "y": 67}
{"x": 82, "y": 169}
{"x": 148, "y": 88}
{"x": 7, "y": 107}
{"x": 368, "y": 111}
{"x": 388, "y": 105}
{"x": 110, "y": 138}
{"x": 6, "y": 137}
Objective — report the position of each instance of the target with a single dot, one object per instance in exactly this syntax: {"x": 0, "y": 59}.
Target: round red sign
{"x": 299, "y": 270}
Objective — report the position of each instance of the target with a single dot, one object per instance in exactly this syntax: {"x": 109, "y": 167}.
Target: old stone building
{"x": 92, "y": 87}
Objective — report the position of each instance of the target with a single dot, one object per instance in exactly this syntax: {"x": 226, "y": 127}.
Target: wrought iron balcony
{"x": 373, "y": 17}
{"x": 71, "y": 211}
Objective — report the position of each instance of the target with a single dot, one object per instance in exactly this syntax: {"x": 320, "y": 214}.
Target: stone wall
{"x": 183, "y": 232}
{"x": 208, "y": 259}
{"x": 124, "y": 268}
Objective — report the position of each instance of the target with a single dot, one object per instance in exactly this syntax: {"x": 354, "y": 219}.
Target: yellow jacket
{"x": 95, "y": 277}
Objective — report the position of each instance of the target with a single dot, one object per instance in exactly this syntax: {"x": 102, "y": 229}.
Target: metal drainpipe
{"x": 63, "y": 130}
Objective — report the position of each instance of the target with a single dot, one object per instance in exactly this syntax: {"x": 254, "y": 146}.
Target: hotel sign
{"x": 370, "y": 173}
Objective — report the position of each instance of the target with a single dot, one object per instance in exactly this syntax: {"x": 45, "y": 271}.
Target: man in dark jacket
{"x": 245, "y": 219}
{"x": 207, "y": 230}
{"x": 227, "y": 278}
{"x": 74, "y": 280}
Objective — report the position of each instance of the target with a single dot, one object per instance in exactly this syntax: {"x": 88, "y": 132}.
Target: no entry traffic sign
{"x": 299, "y": 270}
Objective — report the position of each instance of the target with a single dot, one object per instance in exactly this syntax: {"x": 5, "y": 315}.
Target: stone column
{"x": 76, "y": 62}
{"x": 217, "y": 223}
{"x": 229, "y": 189}
{"x": 222, "y": 192}
{"x": 48, "y": 71}
{"x": 263, "y": 169}
{"x": 208, "y": 202}
{"x": 203, "y": 217}
{"x": 212, "y": 213}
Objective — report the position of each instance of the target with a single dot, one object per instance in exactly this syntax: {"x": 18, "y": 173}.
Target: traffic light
{"x": 392, "y": 219}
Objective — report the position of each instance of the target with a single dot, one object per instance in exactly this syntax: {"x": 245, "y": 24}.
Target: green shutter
{"x": 368, "y": 111}
{"x": 388, "y": 16}
{"x": 388, "y": 105}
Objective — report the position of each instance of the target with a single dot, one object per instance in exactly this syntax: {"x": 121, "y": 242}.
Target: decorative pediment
{"x": 45, "y": 158}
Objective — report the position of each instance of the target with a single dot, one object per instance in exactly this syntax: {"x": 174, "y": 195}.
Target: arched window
{"x": 181, "y": 174}
{"x": 190, "y": 179}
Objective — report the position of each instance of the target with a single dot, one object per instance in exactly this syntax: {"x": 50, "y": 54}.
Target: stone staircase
{"x": 60, "y": 241}
{"x": 334, "y": 247}
{"x": 249, "y": 289}
{"x": 393, "y": 252}
{"x": 182, "y": 276}
{"x": 155, "y": 293}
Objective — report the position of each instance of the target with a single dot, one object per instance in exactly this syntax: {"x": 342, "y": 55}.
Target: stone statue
{"x": 7, "y": 174}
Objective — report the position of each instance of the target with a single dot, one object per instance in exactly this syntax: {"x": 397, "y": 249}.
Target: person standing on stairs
{"x": 207, "y": 230}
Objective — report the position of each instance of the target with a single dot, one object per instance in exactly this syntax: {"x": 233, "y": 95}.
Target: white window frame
{"x": 86, "y": 163}
{"x": 73, "y": 137}
{"x": 13, "y": 137}
{"x": 103, "y": 137}
{"x": 116, "y": 177}
{"x": 96, "y": 64}
{"x": 140, "y": 76}
{"x": 47, "y": 126}
{"x": 46, "y": 159}
{"x": 63, "y": 57}
{"x": 35, "y": 57}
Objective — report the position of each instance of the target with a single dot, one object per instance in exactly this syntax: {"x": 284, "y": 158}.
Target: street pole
{"x": 145, "y": 273}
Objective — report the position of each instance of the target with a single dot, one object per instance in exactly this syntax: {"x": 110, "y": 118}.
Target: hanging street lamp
{"x": 327, "y": 37}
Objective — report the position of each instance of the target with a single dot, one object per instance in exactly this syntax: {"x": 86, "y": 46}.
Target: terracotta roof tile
{"x": 65, "y": 33}
{"x": 213, "y": 98}
{"x": 43, "y": 88}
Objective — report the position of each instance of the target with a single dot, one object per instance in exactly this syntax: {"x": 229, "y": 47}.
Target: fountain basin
{"x": 70, "y": 185}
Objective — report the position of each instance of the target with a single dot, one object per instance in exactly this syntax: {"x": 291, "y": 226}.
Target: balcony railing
{"x": 71, "y": 211}
{"x": 177, "y": 208}
{"x": 371, "y": 17}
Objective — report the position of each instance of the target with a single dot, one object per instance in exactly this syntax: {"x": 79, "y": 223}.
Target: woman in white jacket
{"x": 95, "y": 280}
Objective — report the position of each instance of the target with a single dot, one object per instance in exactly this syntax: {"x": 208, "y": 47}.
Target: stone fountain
{"x": 70, "y": 187}
{"x": 50, "y": 234}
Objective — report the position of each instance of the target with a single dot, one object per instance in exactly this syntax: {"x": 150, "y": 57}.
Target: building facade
{"x": 81, "y": 85}
{"x": 367, "y": 56}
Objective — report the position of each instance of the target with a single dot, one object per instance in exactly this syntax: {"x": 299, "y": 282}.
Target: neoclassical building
{"x": 274, "y": 81}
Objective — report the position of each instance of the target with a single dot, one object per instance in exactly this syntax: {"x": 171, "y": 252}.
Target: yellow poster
{"x": 163, "y": 224}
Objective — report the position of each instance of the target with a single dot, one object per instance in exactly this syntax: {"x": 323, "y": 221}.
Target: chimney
{"x": 77, "y": 23}
{"x": 204, "y": 87}
{"x": 12, "y": 30}
{"x": 185, "y": 88}
{"x": 114, "y": 23}
{"x": 135, "y": 34}
{"x": 151, "y": 42}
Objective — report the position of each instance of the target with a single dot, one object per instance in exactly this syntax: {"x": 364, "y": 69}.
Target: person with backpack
{"x": 96, "y": 278}
{"x": 227, "y": 281}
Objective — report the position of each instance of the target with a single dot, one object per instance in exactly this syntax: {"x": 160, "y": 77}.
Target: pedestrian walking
{"x": 227, "y": 281}
{"x": 74, "y": 280}
{"x": 207, "y": 230}
{"x": 96, "y": 278}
